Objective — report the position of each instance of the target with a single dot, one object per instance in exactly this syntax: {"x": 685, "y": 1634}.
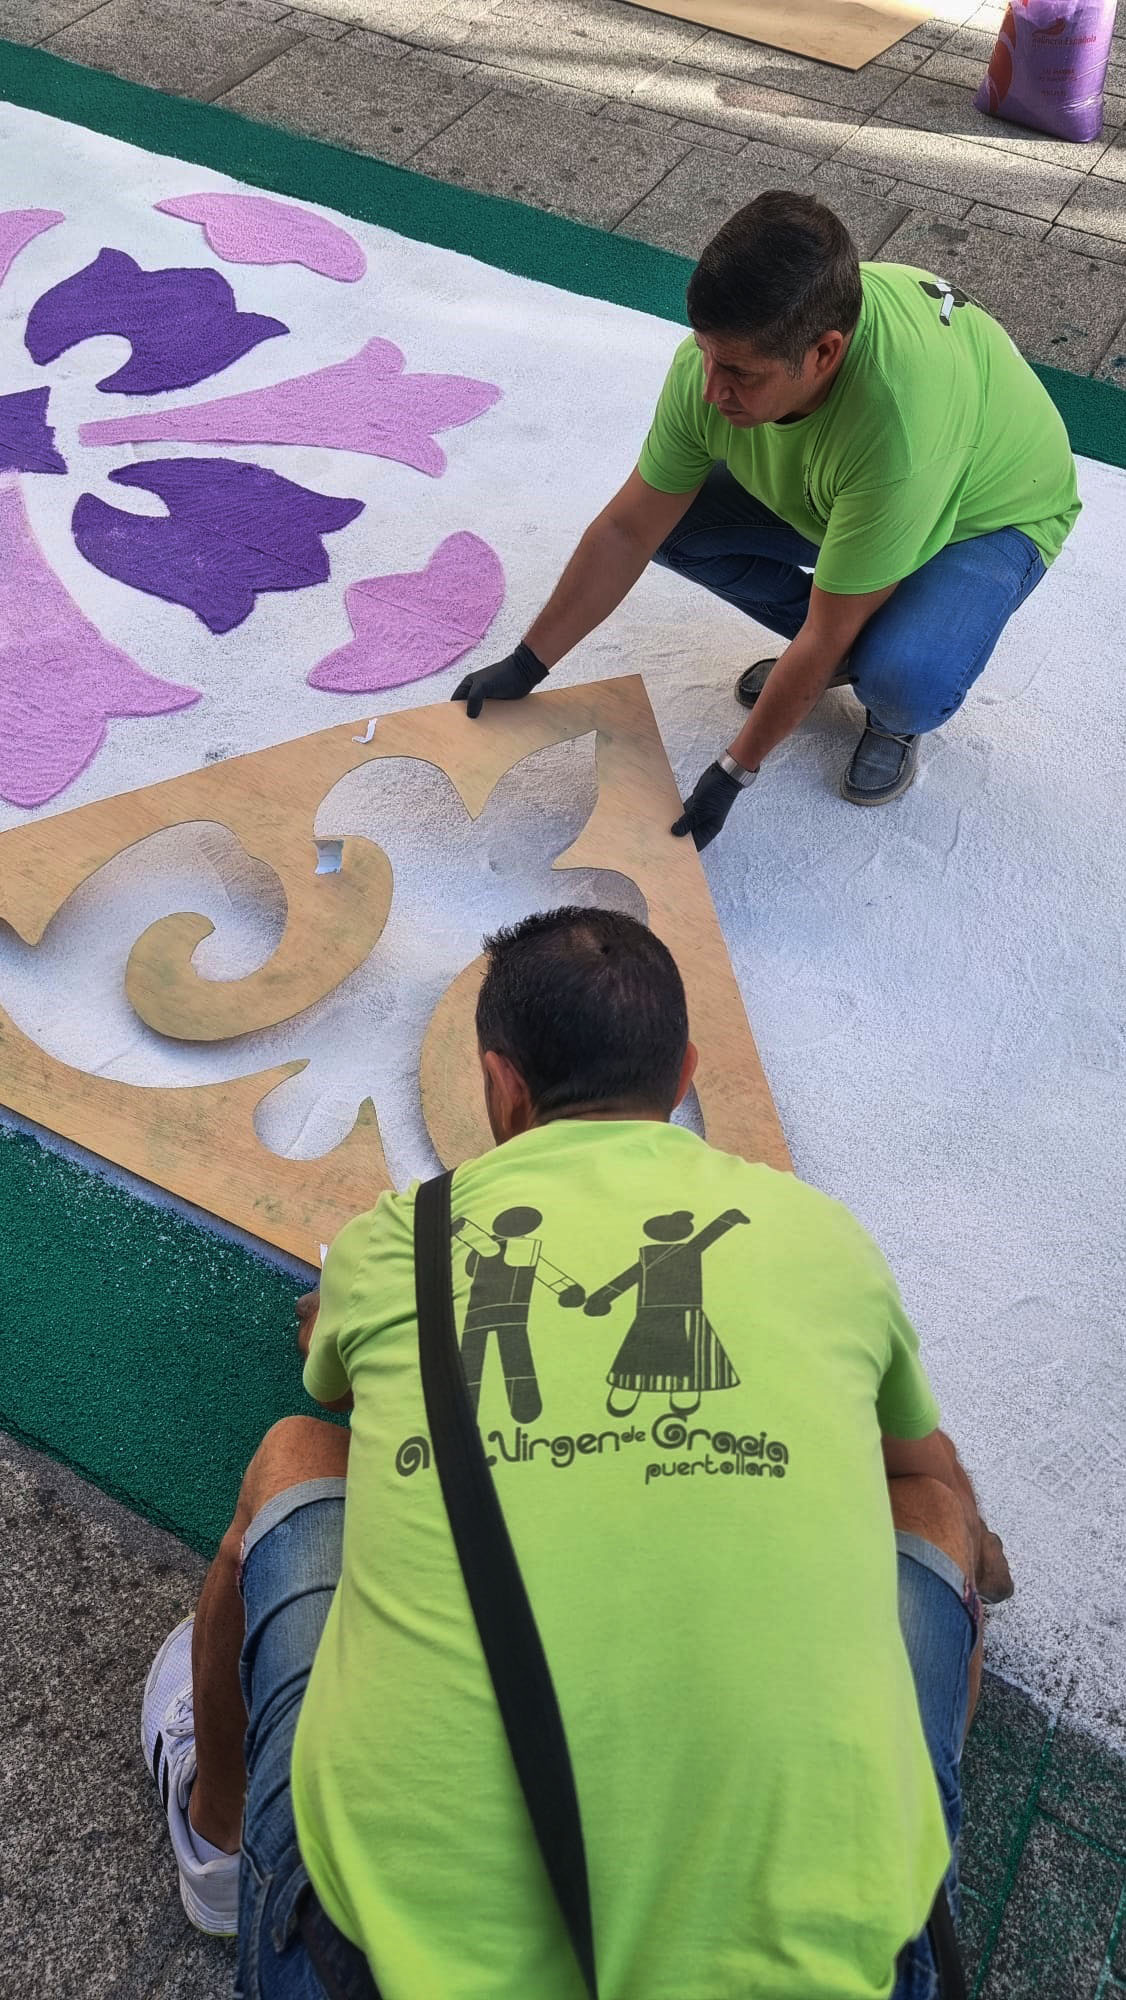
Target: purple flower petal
{"x": 183, "y": 325}
{"x": 27, "y": 440}
{"x": 232, "y": 530}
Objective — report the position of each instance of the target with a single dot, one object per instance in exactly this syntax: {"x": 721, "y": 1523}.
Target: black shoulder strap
{"x": 512, "y": 1647}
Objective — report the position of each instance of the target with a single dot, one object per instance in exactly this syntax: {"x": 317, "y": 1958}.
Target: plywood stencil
{"x": 200, "y": 1142}
{"x": 848, "y": 33}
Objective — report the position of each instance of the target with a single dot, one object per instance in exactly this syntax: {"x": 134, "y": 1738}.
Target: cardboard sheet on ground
{"x": 199, "y": 1143}
{"x": 936, "y": 988}
{"x": 848, "y": 33}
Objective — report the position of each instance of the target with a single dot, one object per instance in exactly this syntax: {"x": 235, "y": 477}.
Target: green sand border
{"x": 142, "y": 1349}
{"x": 503, "y": 233}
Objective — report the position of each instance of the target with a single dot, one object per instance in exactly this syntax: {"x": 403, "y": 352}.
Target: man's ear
{"x": 828, "y": 351}
{"x": 687, "y": 1072}
{"x": 508, "y": 1101}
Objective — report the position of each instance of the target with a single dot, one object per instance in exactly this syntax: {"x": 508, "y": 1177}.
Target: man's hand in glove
{"x": 707, "y": 806}
{"x": 505, "y": 680}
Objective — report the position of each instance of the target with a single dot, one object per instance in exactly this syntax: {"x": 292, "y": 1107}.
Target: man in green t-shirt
{"x": 750, "y": 1553}
{"x": 857, "y": 457}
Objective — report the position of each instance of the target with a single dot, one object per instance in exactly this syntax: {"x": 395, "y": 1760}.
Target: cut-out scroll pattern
{"x": 271, "y": 798}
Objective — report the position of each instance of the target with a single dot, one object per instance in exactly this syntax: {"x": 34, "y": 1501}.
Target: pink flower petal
{"x": 414, "y": 624}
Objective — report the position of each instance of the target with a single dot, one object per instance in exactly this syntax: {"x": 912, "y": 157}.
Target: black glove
{"x": 505, "y": 680}
{"x": 707, "y": 806}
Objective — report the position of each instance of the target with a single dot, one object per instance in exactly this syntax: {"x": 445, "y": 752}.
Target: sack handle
{"x": 510, "y": 1639}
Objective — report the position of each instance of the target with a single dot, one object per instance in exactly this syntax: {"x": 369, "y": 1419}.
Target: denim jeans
{"x": 291, "y": 1565}
{"x": 940, "y": 1617}
{"x": 921, "y": 652}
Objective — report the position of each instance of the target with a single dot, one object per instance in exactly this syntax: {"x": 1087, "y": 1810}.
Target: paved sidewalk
{"x": 637, "y": 122}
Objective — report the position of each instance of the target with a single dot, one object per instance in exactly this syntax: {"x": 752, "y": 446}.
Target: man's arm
{"x": 618, "y": 545}
{"x": 934, "y": 1457}
{"x": 308, "y": 1306}
{"x": 833, "y": 624}
{"x": 616, "y": 548}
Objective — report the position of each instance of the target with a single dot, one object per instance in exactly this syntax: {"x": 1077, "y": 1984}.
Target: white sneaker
{"x": 208, "y": 1889}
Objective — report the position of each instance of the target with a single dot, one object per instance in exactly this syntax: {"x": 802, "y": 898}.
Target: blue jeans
{"x": 291, "y": 1565}
{"x": 940, "y": 1617}
{"x": 919, "y": 655}
{"x": 290, "y": 1569}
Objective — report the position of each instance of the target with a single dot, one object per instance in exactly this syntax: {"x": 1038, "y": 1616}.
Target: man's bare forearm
{"x": 945, "y": 1465}
{"x": 793, "y": 689}
{"x": 602, "y": 571}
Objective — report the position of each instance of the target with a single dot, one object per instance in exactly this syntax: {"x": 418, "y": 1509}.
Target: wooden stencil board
{"x": 199, "y": 1142}
{"x": 848, "y": 33}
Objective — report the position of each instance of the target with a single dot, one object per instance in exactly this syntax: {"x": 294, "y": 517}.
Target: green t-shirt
{"x": 935, "y": 430}
{"x": 692, "y": 1478}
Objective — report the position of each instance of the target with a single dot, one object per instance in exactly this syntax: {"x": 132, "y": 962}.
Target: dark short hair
{"x": 781, "y": 273}
{"x": 588, "y": 1005}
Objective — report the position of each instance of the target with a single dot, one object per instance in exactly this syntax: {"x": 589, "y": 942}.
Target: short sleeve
{"x": 879, "y": 534}
{"x": 325, "y": 1376}
{"x": 905, "y": 1402}
{"x": 675, "y": 457}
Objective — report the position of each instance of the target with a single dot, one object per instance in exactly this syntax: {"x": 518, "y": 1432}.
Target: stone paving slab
{"x": 90, "y": 1900}
{"x": 1083, "y": 1787}
{"x": 928, "y": 103}
{"x": 33, "y": 20}
{"x": 699, "y": 194}
{"x": 1098, "y": 208}
{"x": 594, "y": 45}
{"x": 1059, "y": 1920}
{"x": 804, "y": 124}
{"x": 1112, "y": 163}
{"x": 1106, "y": 248}
{"x": 1069, "y": 308}
{"x": 963, "y": 166}
{"x": 192, "y": 55}
{"x": 799, "y": 76}
{"x": 625, "y": 111}
{"x": 550, "y": 150}
{"x": 829, "y": 180}
{"x": 318, "y": 25}
{"x": 362, "y": 91}
{"x": 1008, "y": 220}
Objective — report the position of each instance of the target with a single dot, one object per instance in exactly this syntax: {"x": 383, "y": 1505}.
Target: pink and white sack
{"x": 1048, "y": 66}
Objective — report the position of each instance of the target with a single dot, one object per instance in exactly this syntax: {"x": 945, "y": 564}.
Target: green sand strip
{"x": 503, "y": 233}
{"x": 144, "y": 1351}
{"x": 147, "y": 1353}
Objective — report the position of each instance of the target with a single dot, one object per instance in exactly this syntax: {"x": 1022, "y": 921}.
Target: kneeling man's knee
{"x": 909, "y": 697}
{"x": 293, "y": 1450}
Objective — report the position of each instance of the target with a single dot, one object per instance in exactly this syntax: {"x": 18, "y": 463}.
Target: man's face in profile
{"x": 748, "y": 388}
